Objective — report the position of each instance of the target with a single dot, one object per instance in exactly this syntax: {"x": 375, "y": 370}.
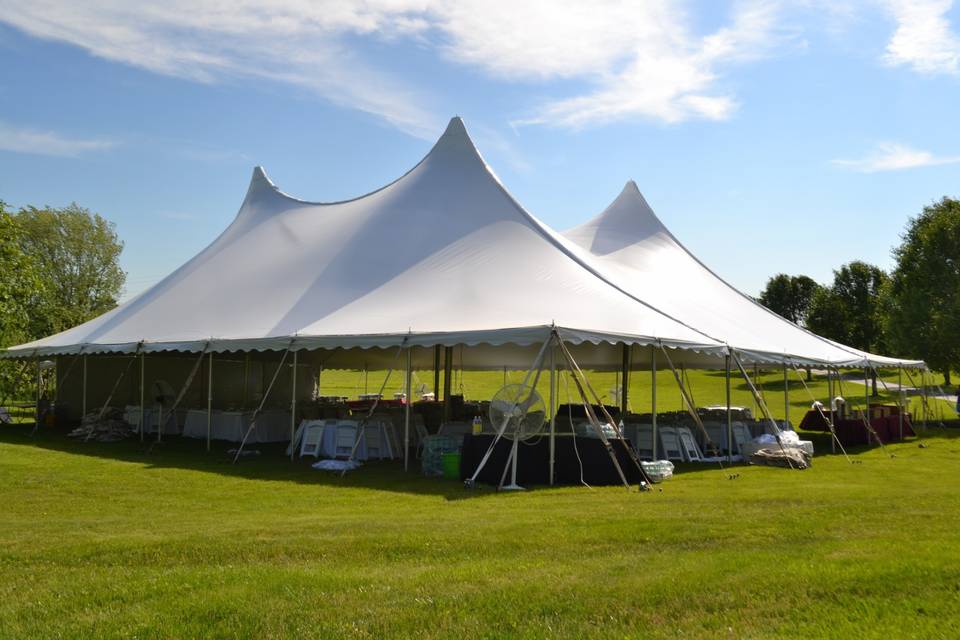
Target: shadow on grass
{"x": 273, "y": 465}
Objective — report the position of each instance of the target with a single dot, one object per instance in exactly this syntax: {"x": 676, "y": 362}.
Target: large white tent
{"x": 633, "y": 248}
{"x": 443, "y": 255}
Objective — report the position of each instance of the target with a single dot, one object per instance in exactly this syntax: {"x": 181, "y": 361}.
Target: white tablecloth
{"x": 171, "y": 426}
{"x": 273, "y": 425}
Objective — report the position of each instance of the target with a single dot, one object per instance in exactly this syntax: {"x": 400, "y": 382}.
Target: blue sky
{"x": 769, "y": 136}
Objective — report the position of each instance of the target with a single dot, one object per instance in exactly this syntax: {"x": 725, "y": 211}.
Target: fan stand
{"x": 513, "y": 486}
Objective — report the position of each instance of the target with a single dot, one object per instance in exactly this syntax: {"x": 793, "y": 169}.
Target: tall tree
{"x": 19, "y": 282}
{"x": 922, "y": 299}
{"x": 789, "y": 296}
{"x": 77, "y": 253}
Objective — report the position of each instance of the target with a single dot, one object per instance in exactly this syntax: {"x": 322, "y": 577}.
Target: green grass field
{"x": 113, "y": 541}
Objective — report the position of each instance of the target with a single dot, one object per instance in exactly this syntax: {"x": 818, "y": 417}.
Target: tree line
{"x": 912, "y": 312}
{"x": 59, "y": 267}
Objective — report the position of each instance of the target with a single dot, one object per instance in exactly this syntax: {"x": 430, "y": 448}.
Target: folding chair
{"x": 422, "y": 434}
{"x": 670, "y": 443}
{"x": 346, "y": 437}
{"x": 741, "y": 436}
{"x": 311, "y": 442}
{"x": 376, "y": 443}
{"x": 691, "y": 452}
{"x": 641, "y": 435}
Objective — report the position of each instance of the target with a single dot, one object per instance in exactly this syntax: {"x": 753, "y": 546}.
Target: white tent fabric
{"x": 632, "y": 248}
{"x": 443, "y": 255}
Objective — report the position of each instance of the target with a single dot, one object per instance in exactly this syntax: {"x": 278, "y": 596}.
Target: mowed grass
{"x": 115, "y": 541}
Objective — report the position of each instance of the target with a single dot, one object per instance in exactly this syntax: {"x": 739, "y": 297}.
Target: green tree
{"x": 789, "y": 296}
{"x": 922, "y": 300}
{"x": 19, "y": 284}
{"x": 77, "y": 253}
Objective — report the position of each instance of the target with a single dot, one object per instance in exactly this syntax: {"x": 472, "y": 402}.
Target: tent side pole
{"x": 143, "y": 411}
{"x": 726, "y": 361}
{"x": 36, "y": 419}
{"x": 653, "y": 397}
{"x": 866, "y": 395}
{"x": 900, "y": 399}
{"x": 293, "y": 403}
{"x": 436, "y": 373}
{"x": 923, "y": 383}
{"x": 83, "y": 404}
{"x": 553, "y": 410}
{"x": 209, "y": 397}
{"x": 447, "y": 374}
{"x": 786, "y": 395}
{"x": 833, "y": 417}
{"x": 624, "y": 381}
{"x": 406, "y": 410}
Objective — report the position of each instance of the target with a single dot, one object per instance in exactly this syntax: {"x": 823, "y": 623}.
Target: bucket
{"x": 451, "y": 465}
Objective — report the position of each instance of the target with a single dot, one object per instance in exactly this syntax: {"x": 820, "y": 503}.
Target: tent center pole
{"x": 209, "y": 397}
{"x": 406, "y": 410}
{"x": 726, "y": 362}
{"x": 653, "y": 397}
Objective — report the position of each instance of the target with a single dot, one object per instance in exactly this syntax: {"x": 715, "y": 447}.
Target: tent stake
{"x": 209, "y": 397}
{"x": 653, "y": 396}
{"x": 406, "y": 411}
{"x": 293, "y": 403}
{"x": 726, "y": 360}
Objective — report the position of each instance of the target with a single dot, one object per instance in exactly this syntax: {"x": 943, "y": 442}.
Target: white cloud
{"x": 923, "y": 39}
{"x": 47, "y": 143}
{"x": 890, "y": 156}
{"x": 622, "y": 58}
{"x": 668, "y": 73}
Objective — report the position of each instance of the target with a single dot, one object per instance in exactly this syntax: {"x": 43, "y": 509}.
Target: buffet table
{"x": 533, "y": 461}
{"x": 273, "y": 425}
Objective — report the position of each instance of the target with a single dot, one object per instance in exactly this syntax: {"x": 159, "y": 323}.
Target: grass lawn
{"x": 110, "y": 541}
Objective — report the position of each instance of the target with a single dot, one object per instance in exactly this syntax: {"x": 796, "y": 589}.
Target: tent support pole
{"x": 553, "y": 410}
{"x": 923, "y": 383}
{"x": 866, "y": 394}
{"x": 447, "y": 374}
{"x": 83, "y": 405}
{"x": 726, "y": 361}
{"x": 293, "y": 403}
{"x": 36, "y": 420}
{"x": 653, "y": 396}
{"x": 209, "y": 397}
{"x": 900, "y": 399}
{"x": 143, "y": 411}
{"x": 406, "y": 410}
{"x": 833, "y": 417}
{"x": 625, "y": 381}
{"x": 786, "y": 395}
{"x": 436, "y": 373}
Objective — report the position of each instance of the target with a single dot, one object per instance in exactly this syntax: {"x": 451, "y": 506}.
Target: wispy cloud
{"x": 890, "y": 156}
{"x": 923, "y": 40}
{"x": 666, "y": 72}
{"x": 47, "y": 143}
{"x": 636, "y": 59}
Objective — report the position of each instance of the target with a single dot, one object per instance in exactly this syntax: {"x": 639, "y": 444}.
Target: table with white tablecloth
{"x": 151, "y": 415}
{"x": 273, "y": 425}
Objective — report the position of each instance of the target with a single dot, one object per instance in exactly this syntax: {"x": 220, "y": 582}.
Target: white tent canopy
{"x": 443, "y": 255}
{"x": 632, "y": 248}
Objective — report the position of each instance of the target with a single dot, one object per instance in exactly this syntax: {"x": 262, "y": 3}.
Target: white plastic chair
{"x": 311, "y": 442}
{"x": 670, "y": 443}
{"x": 346, "y": 437}
{"x": 376, "y": 443}
{"x": 691, "y": 452}
{"x": 642, "y": 437}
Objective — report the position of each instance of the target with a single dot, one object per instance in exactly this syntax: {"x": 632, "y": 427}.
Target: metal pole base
{"x": 512, "y": 487}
